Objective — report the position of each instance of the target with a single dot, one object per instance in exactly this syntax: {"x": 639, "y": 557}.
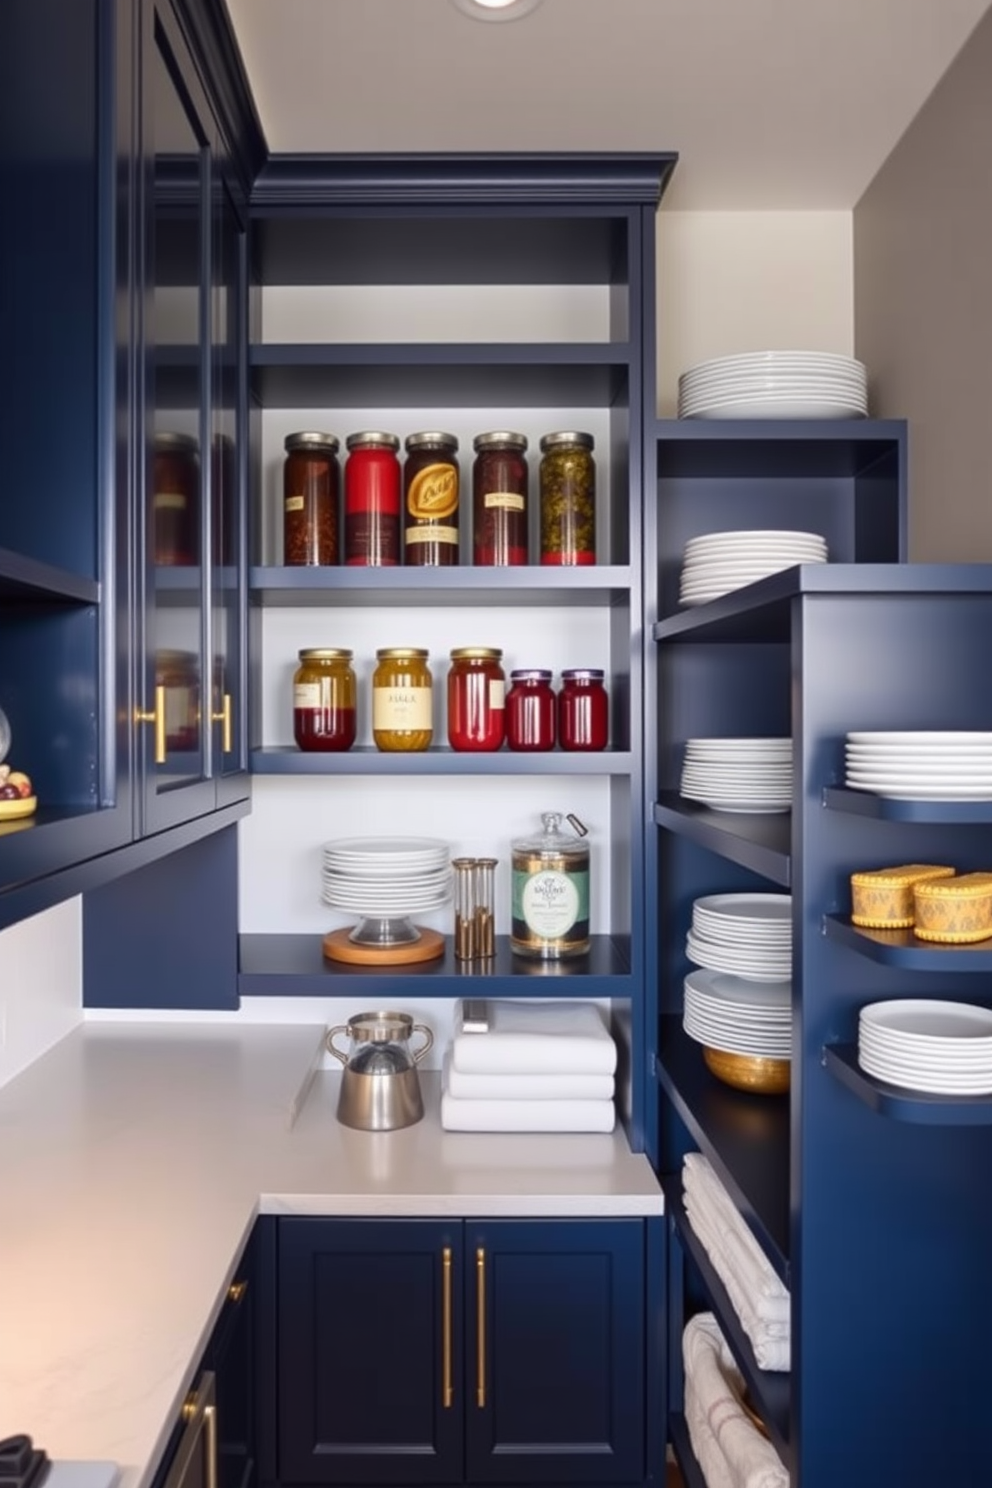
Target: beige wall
{"x": 923, "y": 305}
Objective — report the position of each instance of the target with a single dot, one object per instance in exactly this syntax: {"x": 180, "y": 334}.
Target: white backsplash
{"x": 41, "y": 981}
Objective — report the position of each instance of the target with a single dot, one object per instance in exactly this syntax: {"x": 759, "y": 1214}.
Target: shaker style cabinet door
{"x": 555, "y": 1319}
{"x": 368, "y": 1354}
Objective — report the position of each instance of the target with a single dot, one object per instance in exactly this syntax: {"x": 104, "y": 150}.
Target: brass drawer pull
{"x": 480, "y": 1306}
{"x": 447, "y": 1393}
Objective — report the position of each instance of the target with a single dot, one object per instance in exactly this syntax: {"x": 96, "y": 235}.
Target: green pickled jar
{"x": 568, "y": 499}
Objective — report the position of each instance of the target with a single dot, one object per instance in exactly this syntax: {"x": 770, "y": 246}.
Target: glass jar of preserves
{"x": 176, "y": 500}
{"x": 402, "y": 715}
{"x": 550, "y": 892}
{"x": 324, "y": 700}
{"x": 568, "y": 499}
{"x": 372, "y": 481}
{"x": 476, "y": 697}
{"x": 583, "y": 710}
{"x": 499, "y": 499}
{"x": 430, "y": 498}
{"x": 530, "y": 710}
{"x": 311, "y": 482}
{"x": 178, "y": 672}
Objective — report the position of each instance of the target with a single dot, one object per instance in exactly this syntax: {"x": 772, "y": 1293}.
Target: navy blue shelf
{"x": 902, "y": 948}
{"x": 678, "y": 1434}
{"x": 918, "y": 1106}
{"x": 295, "y": 966}
{"x": 365, "y": 759}
{"x": 759, "y": 842}
{"x": 458, "y": 375}
{"x": 770, "y": 1390}
{"x": 25, "y": 580}
{"x": 885, "y": 808}
{"x": 774, "y": 448}
{"x": 745, "y": 1137}
{"x": 532, "y": 584}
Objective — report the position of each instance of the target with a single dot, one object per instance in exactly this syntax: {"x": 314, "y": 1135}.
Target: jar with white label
{"x": 402, "y": 700}
{"x": 550, "y": 892}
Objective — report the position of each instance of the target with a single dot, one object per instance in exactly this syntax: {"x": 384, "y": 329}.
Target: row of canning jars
{"x": 482, "y": 713}
{"x": 411, "y": 515}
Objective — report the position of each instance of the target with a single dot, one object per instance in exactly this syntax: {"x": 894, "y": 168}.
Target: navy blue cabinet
{"x": 502, "y": 1351}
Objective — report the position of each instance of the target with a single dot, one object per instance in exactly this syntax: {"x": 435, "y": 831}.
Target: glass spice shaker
{"x": 311, "y": 481}
{"x": 464, "y": 869}
{"x": 499, "y": 499}
{"x": 485, "y": 907}
{"x": 568, "y": 499}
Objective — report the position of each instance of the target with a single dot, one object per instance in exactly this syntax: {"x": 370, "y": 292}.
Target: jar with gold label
{"x": 402, "y": 699}
{"x": 430, "y": 500}
{"x": 324, "y": 697}
{"x": 549, "y": 916}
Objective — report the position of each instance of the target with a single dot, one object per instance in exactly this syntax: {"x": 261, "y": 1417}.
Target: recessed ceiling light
{"x": 496, "y": 10}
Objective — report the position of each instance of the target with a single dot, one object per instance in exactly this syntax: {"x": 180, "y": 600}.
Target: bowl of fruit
{"x": 17, "y": 797}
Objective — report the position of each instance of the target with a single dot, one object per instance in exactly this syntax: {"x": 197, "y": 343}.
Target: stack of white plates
{"x": 386, "y": 877}
{"x": 775, "y": 384}
{"x": 750, "y": 775}
{"x": 921, "y": 766}
{"x": 941, "y": 1047}
{"x": 741, "y": 1017}
{"x": 718, "y": 562}
{"x": 746, "y": 935}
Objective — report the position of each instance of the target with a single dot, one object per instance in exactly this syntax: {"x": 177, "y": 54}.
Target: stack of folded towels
{"x": 536, "y": 1067}
{"x": 758, "y": 1296}
{"x": 728, "y": 1446}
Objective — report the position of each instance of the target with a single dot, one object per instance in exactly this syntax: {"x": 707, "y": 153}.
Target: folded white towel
{"x": 537, "y": 1038}
{"x": 755, "y": 1270}
{"x": 771, "y": 1307}
{"x": 526, "y": 1115}
{"x": 730, "y": 1450}
{"x": 526, "y": 1087}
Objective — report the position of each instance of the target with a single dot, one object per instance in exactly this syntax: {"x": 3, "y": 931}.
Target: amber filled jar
{"x": 372, "y": 500}
{"x": 583, "y": 710}
{"x": 311, "y": 490}
{"x": 402, "y": 715}
{"x": 499, "y": 499}
{"x": 176, "y": 500}
{"x": 530, "y": 711}
{"x": 430, "y": 499}
{"x": 324, "y": 700}
{"x": 179, "y": 674}
{"x": 476, "y": 698}
{"x": 568, "y": 499}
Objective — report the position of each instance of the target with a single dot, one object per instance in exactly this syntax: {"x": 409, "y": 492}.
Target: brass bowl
{"x": 751, "y": 1072}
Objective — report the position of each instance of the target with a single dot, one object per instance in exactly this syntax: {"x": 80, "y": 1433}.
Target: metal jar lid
{"x": 563, "y": 437}
{"x": 310, "y": 439}
{"x": 176, "y": 444}
{"x": 500, "y": 438}
{"x": 400, "y": 653}
{"x": 326, "y": 653}
{"x": 431, "y": 439}
{"x": 385, "y": 1027}
{"x": 372, "y": 439}
{"x": 530, "y": 674}
{"x": 477, "y": 653}
{"x": 583, "y": 674}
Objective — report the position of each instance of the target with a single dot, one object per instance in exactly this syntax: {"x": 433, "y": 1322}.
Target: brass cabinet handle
{"x": 480, "y": 1308}
{"x": 157, "y": 717}
{"x": 447, "y": 1394}
{"x": 224, "y": 717}
{"x": 210, "y": 1429}
{"x": 199, "y": 1439}
{"x": 236, "y": 1291}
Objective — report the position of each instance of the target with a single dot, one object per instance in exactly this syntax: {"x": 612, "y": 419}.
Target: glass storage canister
{"x": 176, "y": 500}
{"x": 430, "y": 498}
{"x": 402, "y": 717}
{"x": 311, "y": 490}
{"x": 550, "y": 893}
{"x": 583, "y": 710}
{"x": 372, "y": 500}
{"x": 499, "y": 499}
{"x": 476, "y": 698}
{"x": 568, "y": 499}
{"x": 530, "y": 710}
{"x": 324, "y": 700}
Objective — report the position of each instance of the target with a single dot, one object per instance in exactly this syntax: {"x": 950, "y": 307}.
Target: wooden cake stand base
{"x": 339, "y": 947}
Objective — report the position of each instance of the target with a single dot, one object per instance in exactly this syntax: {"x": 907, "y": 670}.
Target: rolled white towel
{"x": 526, "y": 1115}
{"x": 770, "y": 1339}
{"x": 757, "y": 1273}
{"x": 537, "y": 1038}
{"x": 728, "y": 1446}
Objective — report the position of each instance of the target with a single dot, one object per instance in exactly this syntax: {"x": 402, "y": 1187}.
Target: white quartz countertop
{"x": 133, "y": 1161}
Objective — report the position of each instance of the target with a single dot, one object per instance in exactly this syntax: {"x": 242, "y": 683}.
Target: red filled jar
{"x": 372, "y": 500}
{"x": 324, "y": 695}
{"x": 583, "y": 710}
{"x": 530, "y": 711}
{"x": 476, "y": 698}
{"x": 499, "y": 499}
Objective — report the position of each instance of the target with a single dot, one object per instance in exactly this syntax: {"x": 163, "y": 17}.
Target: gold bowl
{"x": 751, "y": 1072}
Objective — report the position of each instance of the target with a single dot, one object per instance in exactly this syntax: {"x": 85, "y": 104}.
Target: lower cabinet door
{"x": 368, "y": 1351}
{"x": 554, "y": 1352}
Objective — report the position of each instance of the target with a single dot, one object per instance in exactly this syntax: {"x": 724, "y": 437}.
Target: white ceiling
{"x": 771, "y": 104}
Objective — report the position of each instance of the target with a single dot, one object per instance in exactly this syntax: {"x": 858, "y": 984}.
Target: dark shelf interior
{"x": 24, "y": 580}
{"x": 745, "y": 1137}
{"x": 917, "y": 1106}
{"x": 464, "y": 585}
{"x": 776, "y": 449}
{"x": 761, "y": 842}
{"x": 903, "y": 948}
{"x": 294, "y": 965}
